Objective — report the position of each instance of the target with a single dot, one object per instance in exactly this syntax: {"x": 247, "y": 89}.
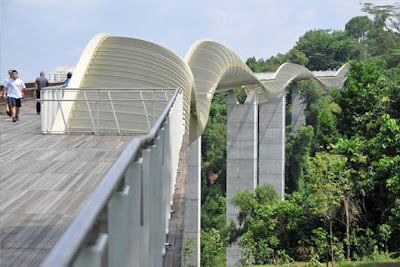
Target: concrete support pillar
{"x": 298, "y": 106}
{"x": 271, "y": 164}
{"x": 241, "y": 170}
{"x": 193, "y": 203}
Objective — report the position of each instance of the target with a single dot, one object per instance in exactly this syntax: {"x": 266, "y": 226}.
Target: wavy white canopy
{"x": 121, "y": 62}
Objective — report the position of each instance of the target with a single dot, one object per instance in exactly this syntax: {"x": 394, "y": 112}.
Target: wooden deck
{"x": 173, "y": 256}
{"x": 44, "y": 182}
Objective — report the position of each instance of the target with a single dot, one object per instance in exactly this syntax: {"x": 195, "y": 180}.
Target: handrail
{"x": 55, "y": 106}
{"x": 116, "y": 89}
{"x": 68, "y": 247}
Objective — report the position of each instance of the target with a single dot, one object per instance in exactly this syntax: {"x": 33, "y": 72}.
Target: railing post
{"x": 115, "y": 114}
{"x": 134, "y": 181}
{"x": 156, "y": 222}
{"x": 90, "y": 112}
{"x": 94, "y": 256}
{"x": 152, "y": 106}
{"x": 97, "y": 110}
{"x": 119, "y": 214}
{"x": 145, "y": 209}
{"x": 63, "y": 117}
{"x": 45, "y": 109}
{"x": 145, "y": 110}
{"x": 167, "y": 175}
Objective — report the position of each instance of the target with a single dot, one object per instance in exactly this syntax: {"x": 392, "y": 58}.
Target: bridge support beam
{"x": 191, "y": 235}
{"x": 271, "y": 164}
{"x": 298, "y": 107}
{"x": 241, "y": 169}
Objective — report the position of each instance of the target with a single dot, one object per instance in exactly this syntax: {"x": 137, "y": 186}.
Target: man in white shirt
{"x": 14, "y": 92}
{"x": 4, "y": 93}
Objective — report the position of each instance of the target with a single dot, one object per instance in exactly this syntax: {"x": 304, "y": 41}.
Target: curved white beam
{"x": 120, "y": 62}
{"x": 115, "y": 62}
{"x": 217, "y": 68}
{"x": 77, "y": 78}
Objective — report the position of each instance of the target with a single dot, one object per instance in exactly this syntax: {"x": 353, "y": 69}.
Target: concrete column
{"x": 241, "y": 170}
{"x": 193, "y": 202}
{"x": 271, "y": 149}
{"x": 298, "y": 106}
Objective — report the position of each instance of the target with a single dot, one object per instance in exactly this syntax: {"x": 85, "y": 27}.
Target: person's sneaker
{"x": 8, "y": 113}
{"x": 14, "y": 119}
{"x": 17, "y": 118}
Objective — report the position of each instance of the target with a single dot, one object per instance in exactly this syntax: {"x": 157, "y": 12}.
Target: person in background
{"x": 4, "y": 93}
{"x": 40, "y": 83}
{"x": 69, "y": 75}
{"x": 14, "y": 91}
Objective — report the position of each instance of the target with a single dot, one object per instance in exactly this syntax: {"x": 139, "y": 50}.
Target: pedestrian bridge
{"x": 122, "y": 148}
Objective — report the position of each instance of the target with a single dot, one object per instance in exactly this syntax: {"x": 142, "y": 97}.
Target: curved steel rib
{"x": 116, "y": 62}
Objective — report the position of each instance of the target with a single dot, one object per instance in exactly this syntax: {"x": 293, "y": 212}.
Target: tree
{"x": 298, "y": 148}
{"x": 252, "y": 63}
{"x": 384, "y": 35}
{"x": 326, "y": 49}
{"x": 387, "y": 16}
{"x": 358, "y": 27}
{"x": 325, "y": 175}
{"x": 296, "y": 56}
{"x": 211, "y": 248}
{"x": 255, "y": 227}
{"x": 360, "y": 95}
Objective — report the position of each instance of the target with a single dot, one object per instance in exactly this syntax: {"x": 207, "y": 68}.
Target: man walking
{"x": 14, "y": 92}
{"x": 40, "y": 83}
{"x": 4, "y": 93}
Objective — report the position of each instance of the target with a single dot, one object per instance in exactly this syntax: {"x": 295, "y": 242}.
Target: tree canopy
{"x": 342, "y": 169}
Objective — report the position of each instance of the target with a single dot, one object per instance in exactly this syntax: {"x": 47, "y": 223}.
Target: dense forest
{"x": 342, "y": 171}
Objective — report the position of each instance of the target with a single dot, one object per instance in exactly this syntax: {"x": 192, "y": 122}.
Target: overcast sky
{"x": 42, "y": 34}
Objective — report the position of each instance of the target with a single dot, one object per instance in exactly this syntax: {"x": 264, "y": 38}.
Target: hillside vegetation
{"x": 342, "y": 168}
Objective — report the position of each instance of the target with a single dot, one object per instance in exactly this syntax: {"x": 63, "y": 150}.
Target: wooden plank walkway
{"x": 44, "y": 182}
{"x": 173, "y": 255}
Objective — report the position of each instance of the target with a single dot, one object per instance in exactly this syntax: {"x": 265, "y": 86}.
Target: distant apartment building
{"x": 59, "y": 74}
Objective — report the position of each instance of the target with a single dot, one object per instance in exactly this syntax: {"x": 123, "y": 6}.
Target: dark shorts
{"x": 15, "y": 102}
{"x": 8, "y": 99}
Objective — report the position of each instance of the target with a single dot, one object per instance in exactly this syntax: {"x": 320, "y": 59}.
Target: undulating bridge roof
{"x": 208, "y": 67}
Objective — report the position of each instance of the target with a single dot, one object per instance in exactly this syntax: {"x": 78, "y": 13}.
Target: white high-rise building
{"x": 59, "y": 74}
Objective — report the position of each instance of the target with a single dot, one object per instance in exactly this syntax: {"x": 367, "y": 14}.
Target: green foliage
{"x": 212, "y": 248}
{"x": 326, "y": 49}
{"x": 213, "y": 210}
{"x": 358, "y": 27}
{"x": 253, "y": 64}
{"x": 319, "y": 116}
{"x": 188, "y": 250}
{"x": 214, "y": 146}
{"x": 240, "y": 95}
{"x": 361, "y": 95}
{"x": 311, "y": 92}
{"x": 213, "y": 185}
{"x": 272, "y": 64}
{"x": 325, "y": 173}
{"x": 342, "y": 169}
{"x": 327, "y": 133}
{"x": 298, "y": 148}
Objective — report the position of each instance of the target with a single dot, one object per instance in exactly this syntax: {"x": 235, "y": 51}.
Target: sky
{"x": 39, "y": 35}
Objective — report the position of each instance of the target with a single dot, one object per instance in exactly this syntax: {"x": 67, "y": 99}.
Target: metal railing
{"x": 103, "y": 111}
{"x": 124, "y": 222}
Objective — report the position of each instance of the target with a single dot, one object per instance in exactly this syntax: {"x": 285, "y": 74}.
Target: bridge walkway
{"x": 44, "y": 182}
